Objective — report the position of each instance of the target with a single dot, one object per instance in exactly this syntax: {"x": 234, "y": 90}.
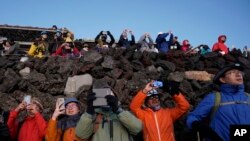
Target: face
{"x": 153, "y": 101}
{"x": 44, "y": 36}
{"x": 72, "y": 109}
{"x": 32, "y": 109}
{"x": 234, "y": 77}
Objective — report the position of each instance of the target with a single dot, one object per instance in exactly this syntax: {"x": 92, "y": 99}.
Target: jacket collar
{"x": 232, "y": 89}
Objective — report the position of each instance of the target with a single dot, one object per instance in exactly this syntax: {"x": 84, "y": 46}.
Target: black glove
{"x": 205, "y": 131}
{"x": 112, "y": 102}
{"x": 172, "y": 87}
{"x": 90, "y": 98}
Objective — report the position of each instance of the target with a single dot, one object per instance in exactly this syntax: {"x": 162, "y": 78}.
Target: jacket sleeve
{"x": 13, "y": 124}
{"x": 181, "y": 108}
{"x": 161, "y": 37}
{"x": 32, "y": 50}
{"x": 85, "y": 126}
{"x": 112, "y": 39}
{"x": 121, "y": 41}
{"x": 136, "y": 103}
{"x": 59, "y": 50}
{"x": 202, "y": 110}
{"x": 42, "y": 124}
{"x": 216, "y": 47}
{"x": 132, "y": 124}
{"x": 52, "y": 132}
{"x": 141, "y": 39}
{"x": 132, "y": 42}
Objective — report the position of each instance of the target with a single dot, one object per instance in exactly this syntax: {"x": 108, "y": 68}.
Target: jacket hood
{"x": 219, "y": 38}
{"x": 185, "y": 43}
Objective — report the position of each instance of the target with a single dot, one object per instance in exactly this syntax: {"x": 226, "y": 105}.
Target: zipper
{"x": 157, "y": 126}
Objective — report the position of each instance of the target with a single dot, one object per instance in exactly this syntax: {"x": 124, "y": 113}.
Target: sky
{"x": 199, "y": 21}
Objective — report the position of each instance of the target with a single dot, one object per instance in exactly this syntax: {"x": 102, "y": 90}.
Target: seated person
{"x": 101, "y": 39}
{"x": 63, "y": 129}
{"x": 161, "y": 42}
{"x": 146, "y": 43}
{"x": 175, "y": 45}
{"x": 10, "y": 47}
{"x": 124, "y": 42}
{"x": 67, "y": 49}
{"x": 57, "y": 41}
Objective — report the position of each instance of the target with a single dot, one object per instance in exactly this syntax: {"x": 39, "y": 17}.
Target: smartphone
{"x": 100, "y": 94}
{"x": 27, "y": 99}
{"x": 60, "y": 102}
{"x": 158, "y": 84}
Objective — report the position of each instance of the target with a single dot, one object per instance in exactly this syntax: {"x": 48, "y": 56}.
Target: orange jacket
{"x": 158, "y": 126}
{"x": 55, "y": 134}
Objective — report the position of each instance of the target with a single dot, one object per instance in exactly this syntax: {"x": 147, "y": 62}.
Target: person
{"x": 124, "y": 42}
{"x": 161, "y": 43}
{"x": 63, "y": 129}
{"x": 101, "y": 40}
{"x": 147, "y": 45}
{"x": 220, "y": 45}
{"x": 85, "y": 49}
{"x": 246, "y": 52}
{"x": 10, "y": 47}
{"x": 232, "y": 108}
{"x": 107, "y": 123}
{"x": 4, "y": 130}
{"x": 40, "y": 48}
{"x": 33, "y": 127}
{"x": 67, "y": 49}
{"x": 57, "y": 41}
{"x": 175, "y": 45}
{"x": 185, "y": 46}
{"x": 158, "y": 121}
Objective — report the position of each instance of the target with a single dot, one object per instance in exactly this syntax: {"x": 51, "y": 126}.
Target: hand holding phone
{"x": 27, "y": 99}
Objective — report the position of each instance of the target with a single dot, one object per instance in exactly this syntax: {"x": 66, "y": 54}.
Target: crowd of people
{"x": 63, "y": 44}
{"x": 211, "y": 118}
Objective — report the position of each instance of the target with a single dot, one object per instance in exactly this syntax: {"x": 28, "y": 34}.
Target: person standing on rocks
{"x": 229, "y": 106}
{"x": 33, "y": 127}
{"x": 63, "y": 129}
{"x": 158, "y": 121}
{"x": 124, "y": 42}
{"x": 220, "y": 45}
{"x": 161, "y": 43}
{"x": 101, "y": 40}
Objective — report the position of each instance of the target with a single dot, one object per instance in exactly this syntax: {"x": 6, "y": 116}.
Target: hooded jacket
{"x": 220, "y": 46}
{"x": 225, "y": 115}
{"x": 158, "y": 125}
{"x": 32, "y": 128}
{"x": 185, "y": 45}
{"x": 124, "y": 124}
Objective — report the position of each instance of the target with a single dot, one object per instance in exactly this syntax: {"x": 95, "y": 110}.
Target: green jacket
{"x": 124, "y": 124}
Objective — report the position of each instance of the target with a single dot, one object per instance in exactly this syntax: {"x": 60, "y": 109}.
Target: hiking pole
{"x": 111, "y": 130}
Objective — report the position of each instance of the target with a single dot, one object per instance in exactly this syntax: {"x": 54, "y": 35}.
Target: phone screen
{"x": 27, "y": 99}
{"x": 100, "y": 96}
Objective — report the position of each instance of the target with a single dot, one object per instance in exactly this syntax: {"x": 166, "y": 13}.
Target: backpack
{"x": 218, "y": 103}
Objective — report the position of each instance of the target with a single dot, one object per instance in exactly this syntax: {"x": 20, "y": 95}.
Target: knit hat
{"x": 160, "y": 33}
{"x": 221, "y": 73}
{"x": 38, "y": 102}
{"x": 71, "y": 99}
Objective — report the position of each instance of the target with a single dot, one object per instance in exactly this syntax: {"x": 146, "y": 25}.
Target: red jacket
{"x": 185, "y": 45}
{"x": 61, "y": 51}
{"x": 158, "y": 126}
{"x": 32, "y": 129}
{"x": 220, "y": 46}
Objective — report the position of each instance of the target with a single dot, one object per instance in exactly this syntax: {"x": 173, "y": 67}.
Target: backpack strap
{"x": 217, "y": 102}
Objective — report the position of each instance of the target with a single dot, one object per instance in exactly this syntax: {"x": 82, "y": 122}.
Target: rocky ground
{"x": 125, "y": 71}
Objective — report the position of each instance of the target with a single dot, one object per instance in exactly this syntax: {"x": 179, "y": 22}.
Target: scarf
{"x": 68, "y": 121}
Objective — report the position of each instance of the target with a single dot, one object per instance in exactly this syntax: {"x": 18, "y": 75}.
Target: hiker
{"x": 33, "y": 127}
{"x": 124, "y": 42}
{"x": 107, "y": 123}
{"x": 146, "y": 43}
{"x": 158, "y": 121}
{"x": 224, "y": 108}
{"x": 102, "y": 42}
{"x": 220, "y": 46}
{"x": 61, "y": 126}
{"x": 161, "y": 43}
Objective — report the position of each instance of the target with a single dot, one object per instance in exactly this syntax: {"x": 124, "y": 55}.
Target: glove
{"x": 205, "y": 130}
{"x": 172, "y": 87}
{"x": 90, "y": 108}
{"x": 112, "y": 102}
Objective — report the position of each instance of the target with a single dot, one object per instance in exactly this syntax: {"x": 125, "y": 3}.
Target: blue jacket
{"x": 225, "y": 115}
{"x": 162, "y": 44}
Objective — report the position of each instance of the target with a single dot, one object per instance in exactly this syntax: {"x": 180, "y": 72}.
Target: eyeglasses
{"x": 71, "y": 106}
{"x": 234, "y": 72}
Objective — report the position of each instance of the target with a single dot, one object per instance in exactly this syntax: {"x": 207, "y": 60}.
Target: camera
{"x": 100, "y": 94}
{"x": 158, "y": 84}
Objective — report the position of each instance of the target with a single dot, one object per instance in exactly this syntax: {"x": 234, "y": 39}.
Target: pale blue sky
{"x": 199, "y": 21}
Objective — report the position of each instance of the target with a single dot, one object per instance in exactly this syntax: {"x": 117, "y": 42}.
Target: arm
{"x": 132, "y": 42}
{"x": 52, "y": 132}
{"x": 41, "y": 123}
{"x": 98, "y": 37}
{"x": 161, "y": 37}
{"x": 128, "y": 120}
{"x": 142, "y": 38}
{"x": 13, "y": 124}
{"x": 121, "y": 41}
{"x": 136, "y": 103}
{"x": 32, "y": 50}
{"x": 85, "y": 126}
{"x": 216, "y": 47}
{"x": 182, "y": 106}
{"x": 202, "y": 110}
{"x": 111, "y": 38}
{"x": 59, "y": 50}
